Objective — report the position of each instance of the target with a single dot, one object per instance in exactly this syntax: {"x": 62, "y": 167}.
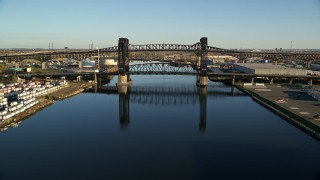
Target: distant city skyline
{"x": 231, "y": 24}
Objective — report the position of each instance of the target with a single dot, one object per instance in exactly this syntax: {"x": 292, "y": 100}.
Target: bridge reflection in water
{"x": 124, "y": 106}
{"x": 165, "y": 96}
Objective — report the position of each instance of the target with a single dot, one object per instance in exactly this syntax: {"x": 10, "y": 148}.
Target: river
{"x": 164, "y": 128}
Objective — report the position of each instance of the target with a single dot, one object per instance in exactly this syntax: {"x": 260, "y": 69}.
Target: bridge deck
{"x": 172, "y": 73}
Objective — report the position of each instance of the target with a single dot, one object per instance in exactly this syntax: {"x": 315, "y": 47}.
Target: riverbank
{"x": 291, "y": 103}
{"x": 72, "y": 89}
{"x": 15, "y": 120}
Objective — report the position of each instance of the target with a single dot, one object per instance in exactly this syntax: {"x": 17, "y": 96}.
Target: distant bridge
{"x": 200, "y": 49}
{"x": 241, "y": 55}
{"x": 162, "y": 68}
{"x": 167, "y": 69}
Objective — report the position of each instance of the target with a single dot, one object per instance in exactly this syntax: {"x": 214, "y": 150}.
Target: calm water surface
{"x": 163, "y": 129}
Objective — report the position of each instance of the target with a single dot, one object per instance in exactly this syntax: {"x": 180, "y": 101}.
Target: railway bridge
{"x": 200, "y": 49}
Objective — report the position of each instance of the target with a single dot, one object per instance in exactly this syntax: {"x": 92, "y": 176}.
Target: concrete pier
{"x": 202, "y": 81}
{"x": 124, "y": 80}
{"x": 292, "y": 104}
{"x": 233, "y": 80}
{"x": 271, "y": 81}
{"x": 79, "y": 78}
{"x": 290, "y": 81}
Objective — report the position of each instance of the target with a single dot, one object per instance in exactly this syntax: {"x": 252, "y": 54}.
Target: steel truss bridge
{"x": 196, "y": 48}
{"x": 162, "y": 68}
{"x": 241, "y": 55}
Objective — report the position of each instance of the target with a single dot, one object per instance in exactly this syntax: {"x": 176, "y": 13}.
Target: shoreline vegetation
{"x": 72, "y": 89}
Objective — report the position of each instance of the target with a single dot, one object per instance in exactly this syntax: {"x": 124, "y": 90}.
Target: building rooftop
{"x": 261, "y": 66}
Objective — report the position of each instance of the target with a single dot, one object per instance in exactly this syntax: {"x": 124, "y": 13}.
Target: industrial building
{"x": 264, "y": 69}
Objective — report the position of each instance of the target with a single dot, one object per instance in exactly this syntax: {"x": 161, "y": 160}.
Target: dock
{"x": 291, "y": 103}
{"x": 72, "y": 90}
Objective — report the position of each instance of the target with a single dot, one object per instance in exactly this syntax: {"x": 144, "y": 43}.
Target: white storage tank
{"x": 110, "y": 62}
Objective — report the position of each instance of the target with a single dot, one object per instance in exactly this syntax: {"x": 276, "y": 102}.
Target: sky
{"x": 230, "y": 24}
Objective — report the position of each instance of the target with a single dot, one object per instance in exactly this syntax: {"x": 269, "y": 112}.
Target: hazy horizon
{"x": 230, "y": 24}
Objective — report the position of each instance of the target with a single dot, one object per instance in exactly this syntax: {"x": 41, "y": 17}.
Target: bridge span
{"x": 166, "y": 69}
{"x": 194, "y": 48}
{"x": 200, "y": 49}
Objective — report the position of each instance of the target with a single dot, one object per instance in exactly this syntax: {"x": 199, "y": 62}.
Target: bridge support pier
{"x": 252, "y": 81}
{"x": 232, "y": 90}
{"x": 202, "y": 81}
{"x": 95, "y": 78}
{"x": 202, "y": 54}
{"x": 79, "y": 78}
{"x": 290, "y": 81}
{"x": 124, "y": 80}
{"x": 123, "y": 62}
{"x": 198, "y": 69}
{"x": 43, "y": 65}
{"x": 198, "y": 64}
{"x": 233, "y": 80}
{"x": 271, "y": 81}
{"x": 310, "y": 82}
{"x": 80, "y": 65}
{"x": 308, "y": 64}
{"x": 198, "y": 79}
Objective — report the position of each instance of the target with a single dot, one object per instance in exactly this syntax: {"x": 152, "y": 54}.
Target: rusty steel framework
{"x": 203, "y": 56}
{"x": 124, "y": 48}
{"x": 123, "y": 56}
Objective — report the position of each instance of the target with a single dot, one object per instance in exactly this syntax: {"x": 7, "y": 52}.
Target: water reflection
{"x": 124, "y": 106}
{"x": 165, "y": 96}
{"x": 152, "y": 130}
{"x": 203, "y": 108}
